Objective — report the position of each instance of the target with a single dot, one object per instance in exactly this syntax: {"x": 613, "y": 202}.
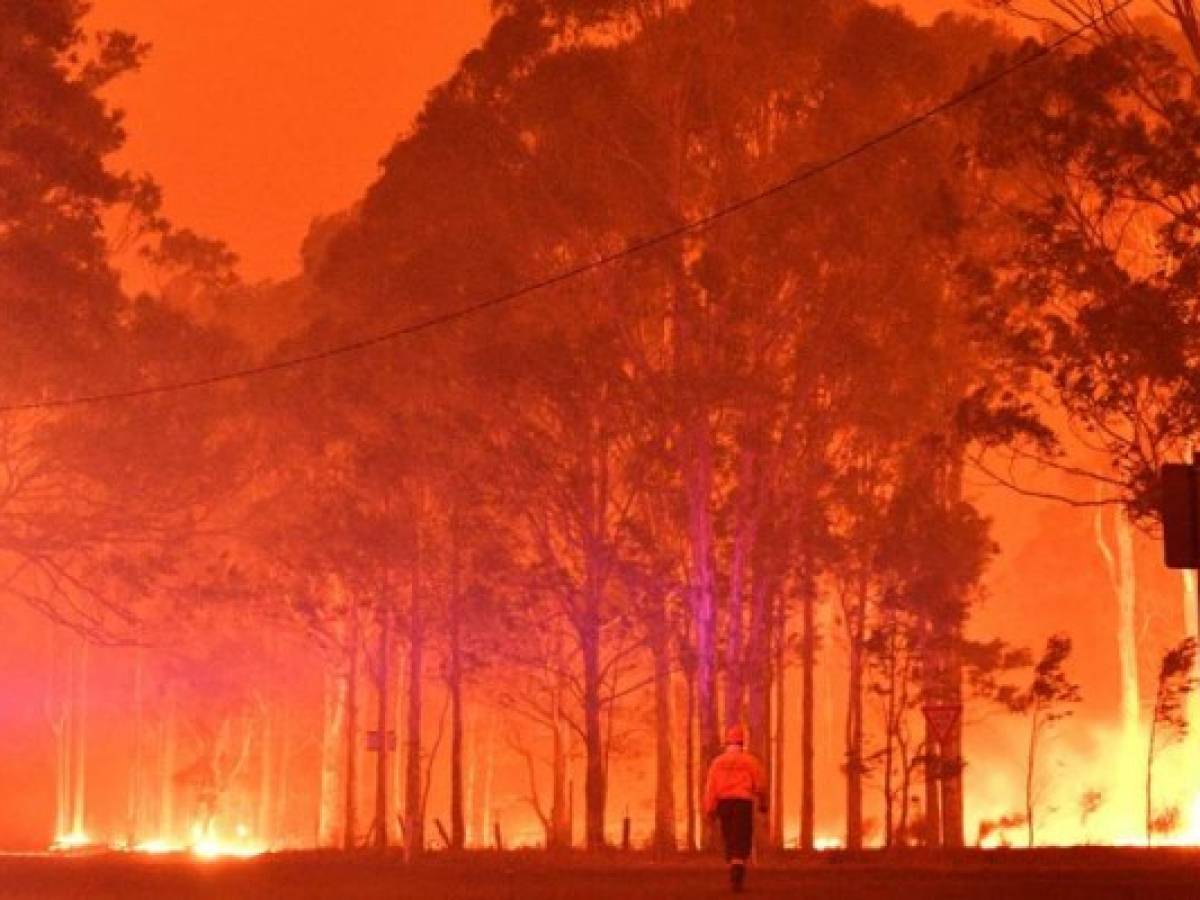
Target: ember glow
{"x": 201, "y": 846}
{"x": 466, "y": 455}
{"x": 211, "y": 848}
{"x": 73, "y": 841}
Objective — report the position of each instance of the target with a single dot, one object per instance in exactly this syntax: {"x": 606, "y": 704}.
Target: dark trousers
{"x": 737, "y": 827}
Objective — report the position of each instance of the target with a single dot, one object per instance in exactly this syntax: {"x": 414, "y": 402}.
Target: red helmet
{"x": 735, "y": 734}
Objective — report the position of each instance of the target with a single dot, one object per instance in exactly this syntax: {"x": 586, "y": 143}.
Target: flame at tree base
{"x": 75, "y": 840}
{"x": 208, "y": 845}
{"x": 203, "y": 846}
{"x": 1179, "y": 828}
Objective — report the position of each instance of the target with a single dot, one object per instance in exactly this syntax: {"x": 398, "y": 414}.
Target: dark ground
{"x": 1084, "y": 874}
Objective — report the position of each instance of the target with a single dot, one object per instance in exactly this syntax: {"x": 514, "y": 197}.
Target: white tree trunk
{"x": 62, "y": 794}
{"x": 330, "y": 811}
{"x": 166, "y": 771}
{"x": 489, "y": 771}
{"x": 79, "y": 732}
{"x": 265, "y": 773}
{"x": 472, "y": 769}
{"x": 136, "y": 760}
{"x": 279, "y": 814}
{"x": 58, "y": 702}
{"x": 1123, "y": 577}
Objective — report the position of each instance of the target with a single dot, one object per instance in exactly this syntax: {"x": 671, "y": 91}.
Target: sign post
{"x": 941, "y": 719}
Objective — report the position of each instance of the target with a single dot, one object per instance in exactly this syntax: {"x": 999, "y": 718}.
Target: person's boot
{"x": 737, "y": 876}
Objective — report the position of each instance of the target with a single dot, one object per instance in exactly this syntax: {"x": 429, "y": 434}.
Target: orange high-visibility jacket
{"x": 734, "y": 775}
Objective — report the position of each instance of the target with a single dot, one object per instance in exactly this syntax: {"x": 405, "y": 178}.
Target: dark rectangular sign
{"x": 1181, "y": 540}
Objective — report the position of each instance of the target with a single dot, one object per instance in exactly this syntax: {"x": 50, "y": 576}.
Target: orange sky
{"x": 257, "y": 115}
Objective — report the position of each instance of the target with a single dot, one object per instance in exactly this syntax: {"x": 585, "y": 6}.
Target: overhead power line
{"x": 633, "y": 248}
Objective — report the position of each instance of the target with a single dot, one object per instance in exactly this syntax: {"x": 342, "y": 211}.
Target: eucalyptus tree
{"x": 740, "y": 352}
{"x": 96, "y": 498}
{"x": 1099, "y": 146}
{"x": 1049, "y": 698}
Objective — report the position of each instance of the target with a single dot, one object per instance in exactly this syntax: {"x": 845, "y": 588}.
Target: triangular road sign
{"x": 941, "y": 719}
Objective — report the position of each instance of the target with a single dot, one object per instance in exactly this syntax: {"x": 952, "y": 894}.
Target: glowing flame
{"x": 1189, "y": 834}
{"x": 203, "y": 846}
{"x": 72, "y": 841}
{"x": 210, "y": 846}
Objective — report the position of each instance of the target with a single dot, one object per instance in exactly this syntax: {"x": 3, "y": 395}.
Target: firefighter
{"x": 736, "y": 784}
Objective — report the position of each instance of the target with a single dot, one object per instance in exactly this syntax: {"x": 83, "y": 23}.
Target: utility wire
{"x": 633, "y": 248}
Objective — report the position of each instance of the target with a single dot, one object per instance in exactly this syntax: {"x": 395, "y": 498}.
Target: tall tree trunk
{"x": 906, "y": 773}
{"x": 758, "y": 671}
{"x": 699, "y": 469}
{"x": 414, "y": 821}
{"x": 808, "y": 668}
{"x": 780, "y": 708}
{"x": 350, "y": 825}
{"x": 594, "y": 786}
{"x": 854, "y": 725}
{"x": 1150, "y": 775}
{"x": 63, "y": 795}
{"x": 431, "y": 764}
{"x": 471, "y": 776}
{"x": 562, "y": 809}
{"x": 166, "y": 766}
{"x": 58, "y": 699}
{"x": 736, "y": 649}
{"x": 570, "y": 796}
{"x": 1030, "y": 774}
{"x": 952, "y": 761}
{"x": 933, "y": 691}
{"x": 458, "y": 828}
{"x": 1120, "y": 568}
{"x": 79, "y": 732}
{"x": 280, "y": 811}
{"x": 62, "y": 806}
{"x": 952, "y": 744}
{"x": 691, "y": 788}
{"x": 332, "y": 729}
{"x": 398, "y": 716}
{"x": 664, "y": 770}
{"x": 587, "y": 625}
{"x": 266, "y": 775}
{"x": 890, "y": 717}
{"x": 489, "y": 774}
{"x": 136, "y": 760}
{"x": 933, "y": 793}
{"x": 458, "y": 819}
{"x": 559, "y": 835}
{"x": 380, "y": 827}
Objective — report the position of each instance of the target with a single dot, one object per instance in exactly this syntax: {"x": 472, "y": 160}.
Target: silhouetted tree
{"x": 1168, "y": 720}
{"x": 1100, "y": 152}
{"x": 1047, "y": 700}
